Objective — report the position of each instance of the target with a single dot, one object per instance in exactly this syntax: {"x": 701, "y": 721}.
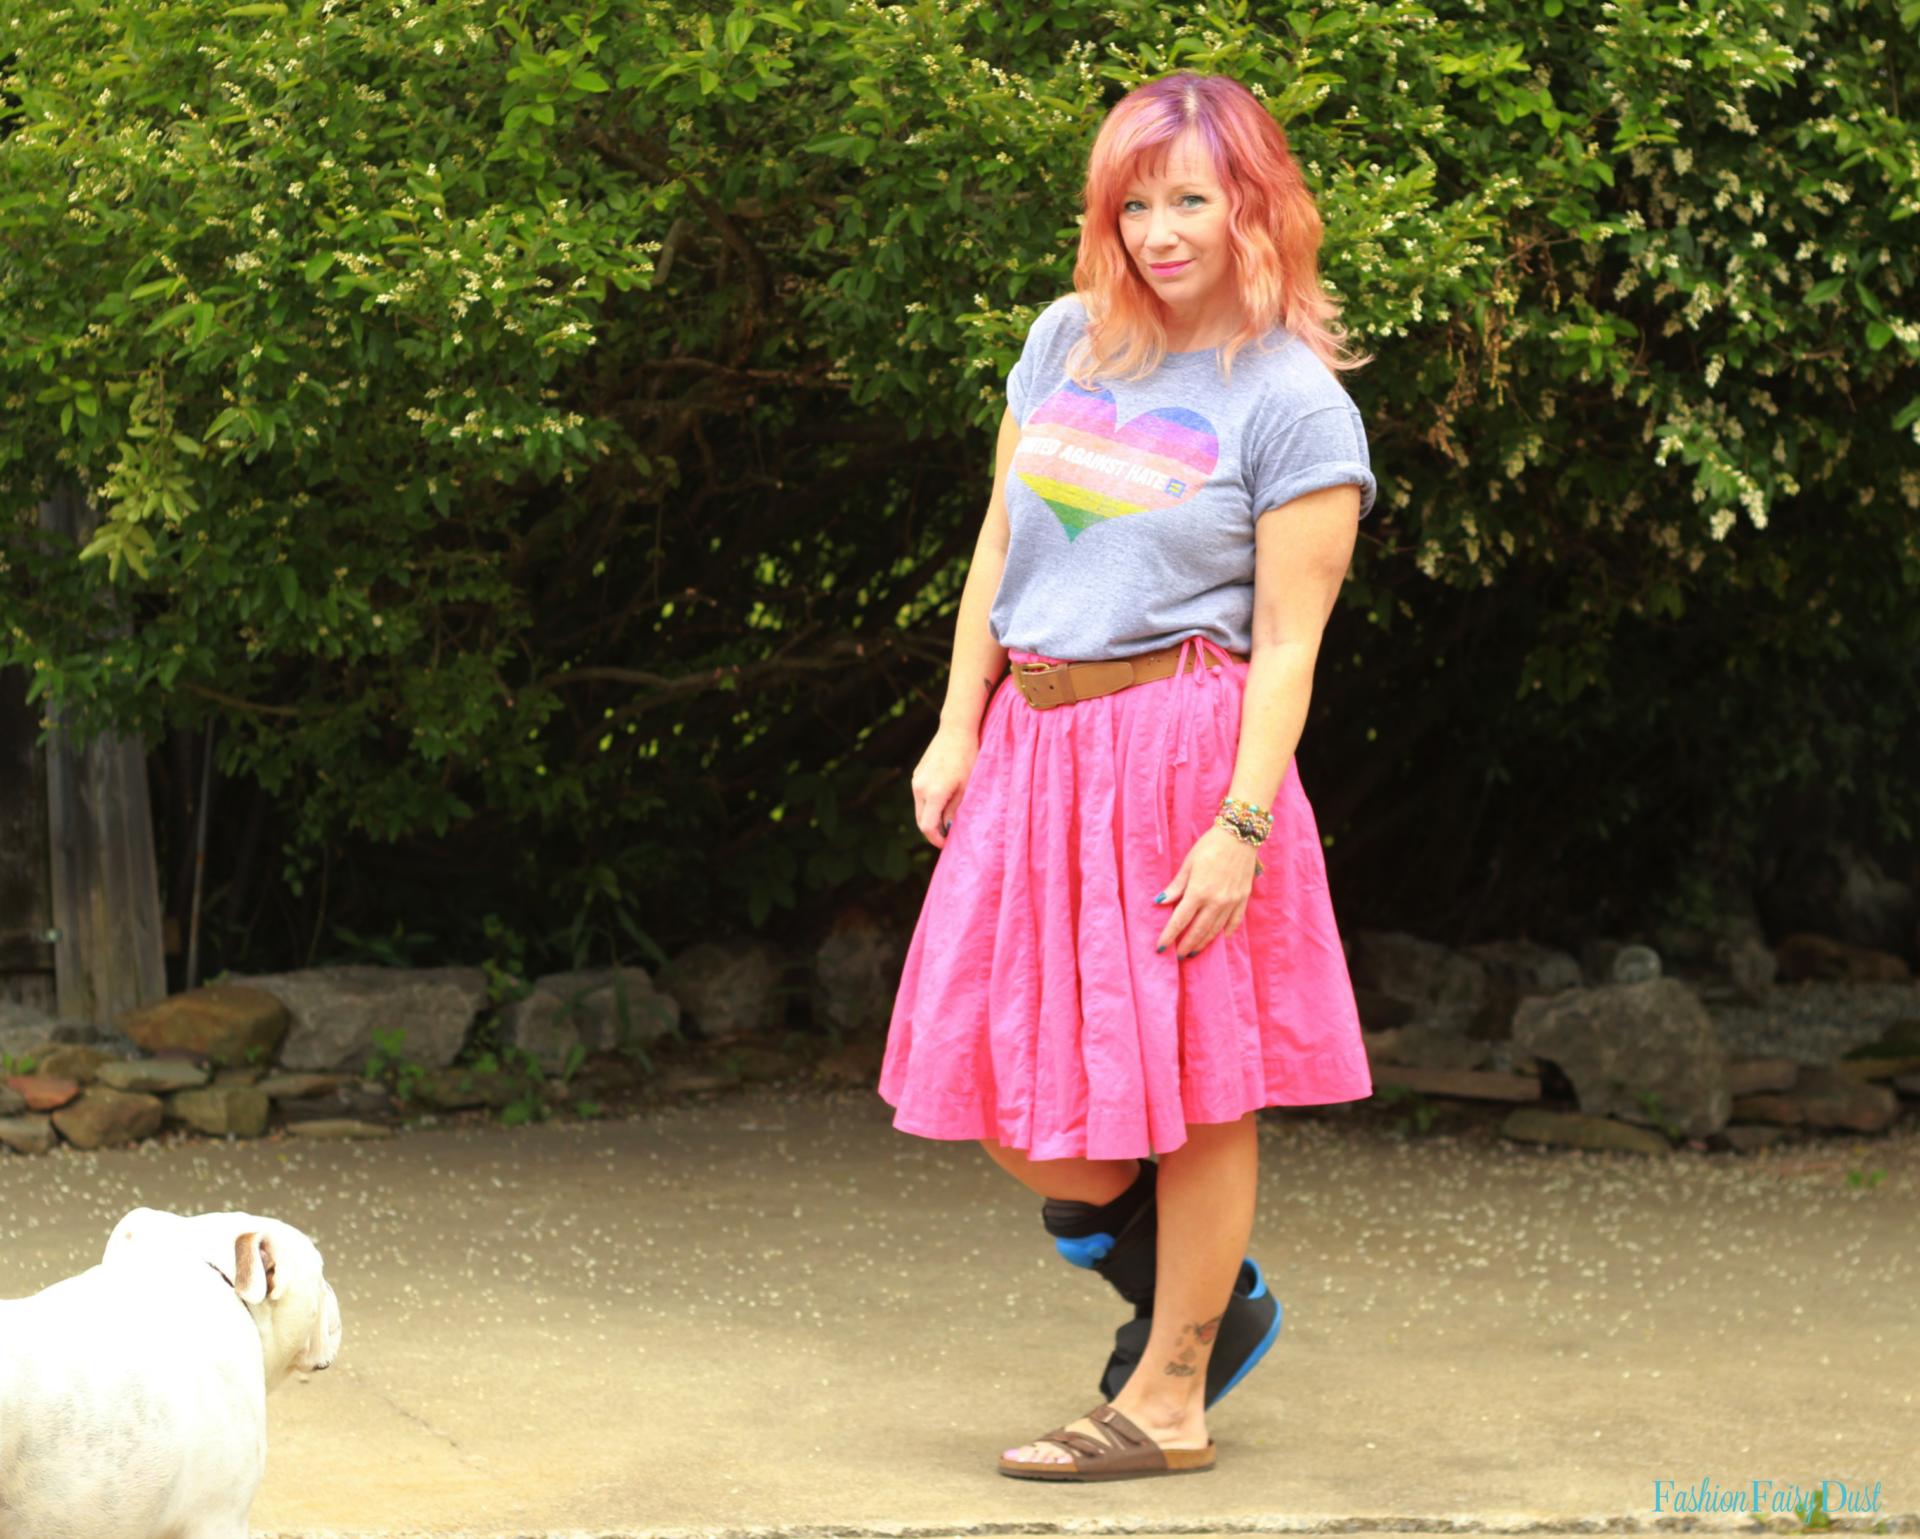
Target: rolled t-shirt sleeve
{"x": 1033, "y": 353}
{"x": 1017, "y": 381}
{"x": 1322, "y": 447}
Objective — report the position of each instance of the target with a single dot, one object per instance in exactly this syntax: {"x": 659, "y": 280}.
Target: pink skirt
{"x": 1033, "y": 1009}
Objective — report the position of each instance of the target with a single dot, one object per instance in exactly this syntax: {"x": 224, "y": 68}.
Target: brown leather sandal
{"x": 1124, "y": 1453}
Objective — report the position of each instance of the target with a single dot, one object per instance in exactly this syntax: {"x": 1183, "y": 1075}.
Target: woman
{"x": 1127, "y": 945}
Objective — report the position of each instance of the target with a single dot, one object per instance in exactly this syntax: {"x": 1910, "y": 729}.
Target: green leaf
{"x": 172, "y": 317}
{"x": 317, "y": 265}
{"x": 587, "y": 80}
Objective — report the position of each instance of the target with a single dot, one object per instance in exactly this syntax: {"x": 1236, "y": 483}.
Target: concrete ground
{"x": 772, "y": 1314}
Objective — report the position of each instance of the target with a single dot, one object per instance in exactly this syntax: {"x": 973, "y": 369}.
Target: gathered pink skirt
{"x": 1033, "y": 1009}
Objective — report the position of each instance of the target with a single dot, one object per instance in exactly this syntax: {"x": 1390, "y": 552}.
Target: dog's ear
{"x": 252, "y": 1266}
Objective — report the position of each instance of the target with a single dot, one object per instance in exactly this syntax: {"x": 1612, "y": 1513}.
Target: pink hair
{"x": 1273, "y": 228}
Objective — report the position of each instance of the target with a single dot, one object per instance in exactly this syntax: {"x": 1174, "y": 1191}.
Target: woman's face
{"x": 1175, "y": 229}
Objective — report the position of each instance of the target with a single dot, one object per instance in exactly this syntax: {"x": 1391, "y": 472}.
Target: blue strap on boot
{"x": 1120, "y": 1241}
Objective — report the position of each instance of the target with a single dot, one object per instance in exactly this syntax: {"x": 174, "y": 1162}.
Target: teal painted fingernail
{"x": 1158, "y": 896}
{"x": 1158, "y": 949}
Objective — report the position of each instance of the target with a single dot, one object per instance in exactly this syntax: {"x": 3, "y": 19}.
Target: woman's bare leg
{"x": 1205, "y": 1190}
{"x": 1070, "y": 1180}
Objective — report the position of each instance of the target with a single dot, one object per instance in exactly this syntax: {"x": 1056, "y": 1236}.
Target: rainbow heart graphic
{"x": 1087, "y": 469}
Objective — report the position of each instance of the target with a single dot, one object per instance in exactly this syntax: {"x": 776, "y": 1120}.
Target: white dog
{"x": 133, "y": 1396}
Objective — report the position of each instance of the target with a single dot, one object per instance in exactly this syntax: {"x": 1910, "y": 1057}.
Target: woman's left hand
{"x": 1209, "y": 892}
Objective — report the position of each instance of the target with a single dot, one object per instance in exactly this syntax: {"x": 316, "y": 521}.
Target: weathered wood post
{"x": 105, "y": 885}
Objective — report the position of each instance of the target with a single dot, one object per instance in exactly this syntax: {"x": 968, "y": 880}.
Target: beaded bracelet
{"x": 1249, "y": 823}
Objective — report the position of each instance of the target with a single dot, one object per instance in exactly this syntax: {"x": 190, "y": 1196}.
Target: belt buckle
{"x": 1023, "y": 671}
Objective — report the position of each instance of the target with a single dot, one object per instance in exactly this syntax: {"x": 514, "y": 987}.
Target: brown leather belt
{"x": 1049, "y": 684}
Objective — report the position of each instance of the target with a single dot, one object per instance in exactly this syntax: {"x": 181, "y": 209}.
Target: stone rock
{"x": 221, "y": 1110}
{"x": 350, "y": 1099}
{"x": 1517, "y": 970}
{"x": 1879, "y": 1068}
{"x": 1775, "y": 1107}
{"x": 336, "y": 1128}
{"x": 66, "y": 1061}
{"x": 12, "y": 1102}
{"x": 854, "y": 1064}
{"x": 1466, "y": 1084}
{"x": 1611, "y": 961}
{"x": 107, "y": 1119}
{"x": 246, "y": 1076}
{"x": 1829, "y": 1099}
{"x": 1750, "y": 964}
{"x": 1814, "y": 1022}
{"x": 1894, "y": 1053}
{"x": 458, "y": 1089}
{"x": 1748, "y": 1138}
{"x": 684, "y": 1079}
{"x": 27, "y": 1135}
{"x": 1624, "y": 1041}
{"x": 153, "y": 1076}
{"x": 1823, "y": 1098}
{"x": 758, "y": 1065}
{"x": 24, "y": 1031}
{"x": 115, "y": 1044}
{"x": 1505, "y": 1058}
{"x": 42, "y": 1092}
{"x": 1804, "y": 956}
{"x": 336, "y": 1011}
{"x": 1840, "y": 890}
{"x": 1907, "y": 1084}
{"x": 1382, "y": 1012}
{"x": 856, "y": 972}
{"x": 1535, "y": 1125}
{"x": 729, "y": 990}
{"x": 227, "y": 1023}
{"x": 606, "y": 1009}
{"x": 1439, "y": 987}
{"x": 1755, "y": 1076}
{"x": 294, "y": 1087}
{"x": 1427, "y": 1047}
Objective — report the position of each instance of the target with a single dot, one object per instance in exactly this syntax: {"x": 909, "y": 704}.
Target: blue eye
{"x": 1184, "y": 197}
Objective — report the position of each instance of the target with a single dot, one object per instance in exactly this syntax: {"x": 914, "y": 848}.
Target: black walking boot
{"x": 1120, "y": 1242}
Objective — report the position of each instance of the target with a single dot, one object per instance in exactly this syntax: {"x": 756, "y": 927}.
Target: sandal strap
{"x": 1121, "y": 1441}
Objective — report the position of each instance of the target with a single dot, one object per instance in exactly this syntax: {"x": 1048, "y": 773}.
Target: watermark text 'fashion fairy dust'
{"x": 1761, "y": 1496}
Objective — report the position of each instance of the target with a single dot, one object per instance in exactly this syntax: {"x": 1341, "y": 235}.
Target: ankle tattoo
{"x": 1185, "y": 1364}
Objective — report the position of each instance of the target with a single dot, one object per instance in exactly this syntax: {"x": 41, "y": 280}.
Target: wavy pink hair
{"x": 1273, "y": 228}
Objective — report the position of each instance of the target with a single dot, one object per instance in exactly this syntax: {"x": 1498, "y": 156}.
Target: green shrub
{"x": 550, "y": 439}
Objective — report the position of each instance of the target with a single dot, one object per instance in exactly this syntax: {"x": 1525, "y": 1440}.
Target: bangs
{"x": 1149, "y": 153}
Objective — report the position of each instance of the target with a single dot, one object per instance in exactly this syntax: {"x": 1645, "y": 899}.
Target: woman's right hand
{"x": 939, "y": 779}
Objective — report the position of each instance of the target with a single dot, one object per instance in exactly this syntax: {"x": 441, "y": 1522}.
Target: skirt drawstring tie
{"x": 1179, "y": 707}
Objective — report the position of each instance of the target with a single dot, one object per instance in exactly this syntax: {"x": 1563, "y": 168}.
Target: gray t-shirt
{"x": 1130, "y": 509}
